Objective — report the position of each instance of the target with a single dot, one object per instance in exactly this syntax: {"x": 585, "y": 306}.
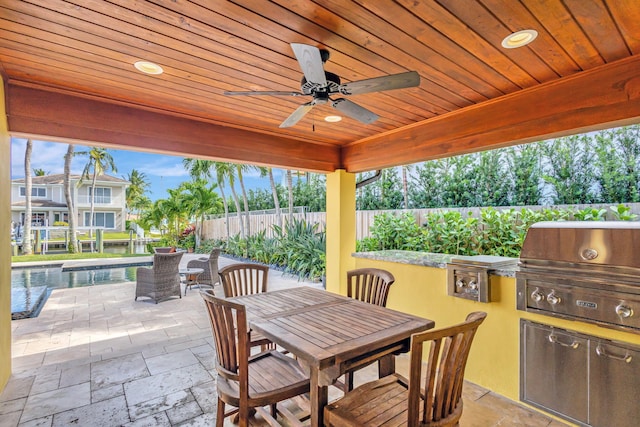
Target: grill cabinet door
{"x": 554, "y": 374}
{"x": 615, "y": 384}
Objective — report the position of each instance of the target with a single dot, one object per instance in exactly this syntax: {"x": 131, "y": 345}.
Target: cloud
{"x": 48, "y": 156}
{"x": 165, "y": 169}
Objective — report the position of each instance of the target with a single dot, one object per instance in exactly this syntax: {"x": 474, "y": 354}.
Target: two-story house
{"x": 48, "y": 204}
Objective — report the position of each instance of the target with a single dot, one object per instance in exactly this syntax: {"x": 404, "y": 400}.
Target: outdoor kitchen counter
{"x": 425, "y": 259}
{"x": 494, "y": 363}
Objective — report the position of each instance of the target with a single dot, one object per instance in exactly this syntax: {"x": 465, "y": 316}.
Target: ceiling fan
{"x": 321, "y": 84}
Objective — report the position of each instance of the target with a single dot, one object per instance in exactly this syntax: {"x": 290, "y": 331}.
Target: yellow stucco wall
{"x": 340, "y": 229}
{"x": 494, "y": 360}
{"x": 5, "y": 242}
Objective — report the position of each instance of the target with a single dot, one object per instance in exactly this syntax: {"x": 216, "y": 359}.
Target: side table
{"x": 190, "y": 277}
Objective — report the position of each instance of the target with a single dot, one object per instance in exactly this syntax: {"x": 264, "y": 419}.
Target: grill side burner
{"x": 588, "y": 271}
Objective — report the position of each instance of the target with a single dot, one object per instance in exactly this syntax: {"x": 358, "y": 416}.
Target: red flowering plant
{"x": 187, "y": 238}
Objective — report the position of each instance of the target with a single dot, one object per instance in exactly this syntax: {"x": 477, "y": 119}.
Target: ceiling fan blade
{"x": 262, "y": 92}
{"x": 379, "y": 84}
{"x": 310, "y": 62}
{"x": 354, "y": 111}
{"x": 297, "y": 115}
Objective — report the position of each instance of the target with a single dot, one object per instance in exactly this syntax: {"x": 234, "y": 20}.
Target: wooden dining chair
{"x": 432, "y": 398}
{"x": 246, "y": 279}
{"x": 369, "y": 285}
{"x": 246, "y": 381}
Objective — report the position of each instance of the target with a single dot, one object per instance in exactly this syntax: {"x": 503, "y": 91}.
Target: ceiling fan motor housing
{"x": 317, "y": 89}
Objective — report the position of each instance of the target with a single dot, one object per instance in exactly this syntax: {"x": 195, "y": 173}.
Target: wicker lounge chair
{"x": 162, "y": 280}
{"x": 210, "y": 266}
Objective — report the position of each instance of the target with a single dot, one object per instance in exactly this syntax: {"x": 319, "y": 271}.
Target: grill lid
{"x": 607, "y": 243}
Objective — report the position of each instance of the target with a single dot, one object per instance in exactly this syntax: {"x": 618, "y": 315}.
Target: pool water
{"x": 30, "y": 287}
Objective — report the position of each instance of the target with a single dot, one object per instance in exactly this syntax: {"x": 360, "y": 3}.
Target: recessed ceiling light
{"x": 148, "y": 67}
{"x": 332, "y": 119}
{"x": 519, "y": 39}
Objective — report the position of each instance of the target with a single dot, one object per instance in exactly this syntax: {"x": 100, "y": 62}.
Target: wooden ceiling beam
{"x": 603, "y": 97}
{"x": 63, "y": 116}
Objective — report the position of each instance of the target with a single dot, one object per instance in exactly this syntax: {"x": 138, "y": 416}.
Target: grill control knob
{"x": 624, "y": 311}
{"x": 553, "y": 298}
{"x": 537, "y": 296}
{"x": 460, "y": 283}
{"x": 473, "y": 285}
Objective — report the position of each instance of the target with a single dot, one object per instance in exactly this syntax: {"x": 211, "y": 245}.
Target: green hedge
{"x": 495, "y": 232}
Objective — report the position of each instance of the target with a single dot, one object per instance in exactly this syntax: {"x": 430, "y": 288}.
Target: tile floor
{"x": 94, "y": 357}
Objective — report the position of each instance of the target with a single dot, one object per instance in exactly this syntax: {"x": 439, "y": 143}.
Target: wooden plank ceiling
{"x": 69, "y": 75}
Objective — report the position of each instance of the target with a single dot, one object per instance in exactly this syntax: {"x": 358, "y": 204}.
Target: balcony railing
{"x": 101, "y": 200}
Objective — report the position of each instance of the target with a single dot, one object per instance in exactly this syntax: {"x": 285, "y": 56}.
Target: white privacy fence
{"x": 217, "y": 229}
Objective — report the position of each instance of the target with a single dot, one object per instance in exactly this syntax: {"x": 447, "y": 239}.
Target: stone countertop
{"x": 425, "y": 259}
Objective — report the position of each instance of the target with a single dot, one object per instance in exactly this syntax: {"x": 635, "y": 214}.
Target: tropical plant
{"x": 590, "y": 214}
{"x": 300, "y": 249}
{"x": 622, "y": 213}
{"x": 500, "y": 232}
{"x": 450, "y": 232}
{"x": 397, "y": 232}
{"x": 199, "y": 199}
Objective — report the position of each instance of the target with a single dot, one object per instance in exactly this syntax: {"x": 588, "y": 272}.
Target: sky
{"x": 163, "y": 172}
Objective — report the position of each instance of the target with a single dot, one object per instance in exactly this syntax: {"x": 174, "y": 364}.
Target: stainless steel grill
{"x": 588, "y": 271}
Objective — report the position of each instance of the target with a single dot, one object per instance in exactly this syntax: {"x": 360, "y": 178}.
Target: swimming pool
{"x": 30, "y": 287}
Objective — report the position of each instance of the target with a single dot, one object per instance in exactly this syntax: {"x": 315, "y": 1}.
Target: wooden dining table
{"x": 330, "y": 333}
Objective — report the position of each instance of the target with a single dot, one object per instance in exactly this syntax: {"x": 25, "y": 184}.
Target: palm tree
{"x": 154, "y": 216}
{"x": 230, "y": 175}
{"x": 274, "y": 191}
{"x": 290, "y": 193}
{"x": 240, "y": 168}
{"x": 174, "y": 211}
{"x": 135, "y": 193}
{"x": 221, "y": 174}
{"x": 39, "y": 172}
{"x": 27, "y": 247}
{"x": 100, "y": 162}
{"x": 73, "y": 246}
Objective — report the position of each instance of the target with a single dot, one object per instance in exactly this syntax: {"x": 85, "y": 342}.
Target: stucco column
{"x": 5, "y": 244}
{"x": 341, "y": 229}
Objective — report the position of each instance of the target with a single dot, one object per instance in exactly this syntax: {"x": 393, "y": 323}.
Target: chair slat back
{"x": 229, "y": 325}
{"x": 244, "y": 279}
{"x": 370, "y": 285}
{"x": 444, "y": 377}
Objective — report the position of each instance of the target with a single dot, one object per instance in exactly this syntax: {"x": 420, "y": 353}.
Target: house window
{"x": 102, "y": 195}
{"x": 35, "y": 192}
{"x": 61, "y": 216}
{"x": 101, "y": 219}
{"x": 38, "y": 219}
